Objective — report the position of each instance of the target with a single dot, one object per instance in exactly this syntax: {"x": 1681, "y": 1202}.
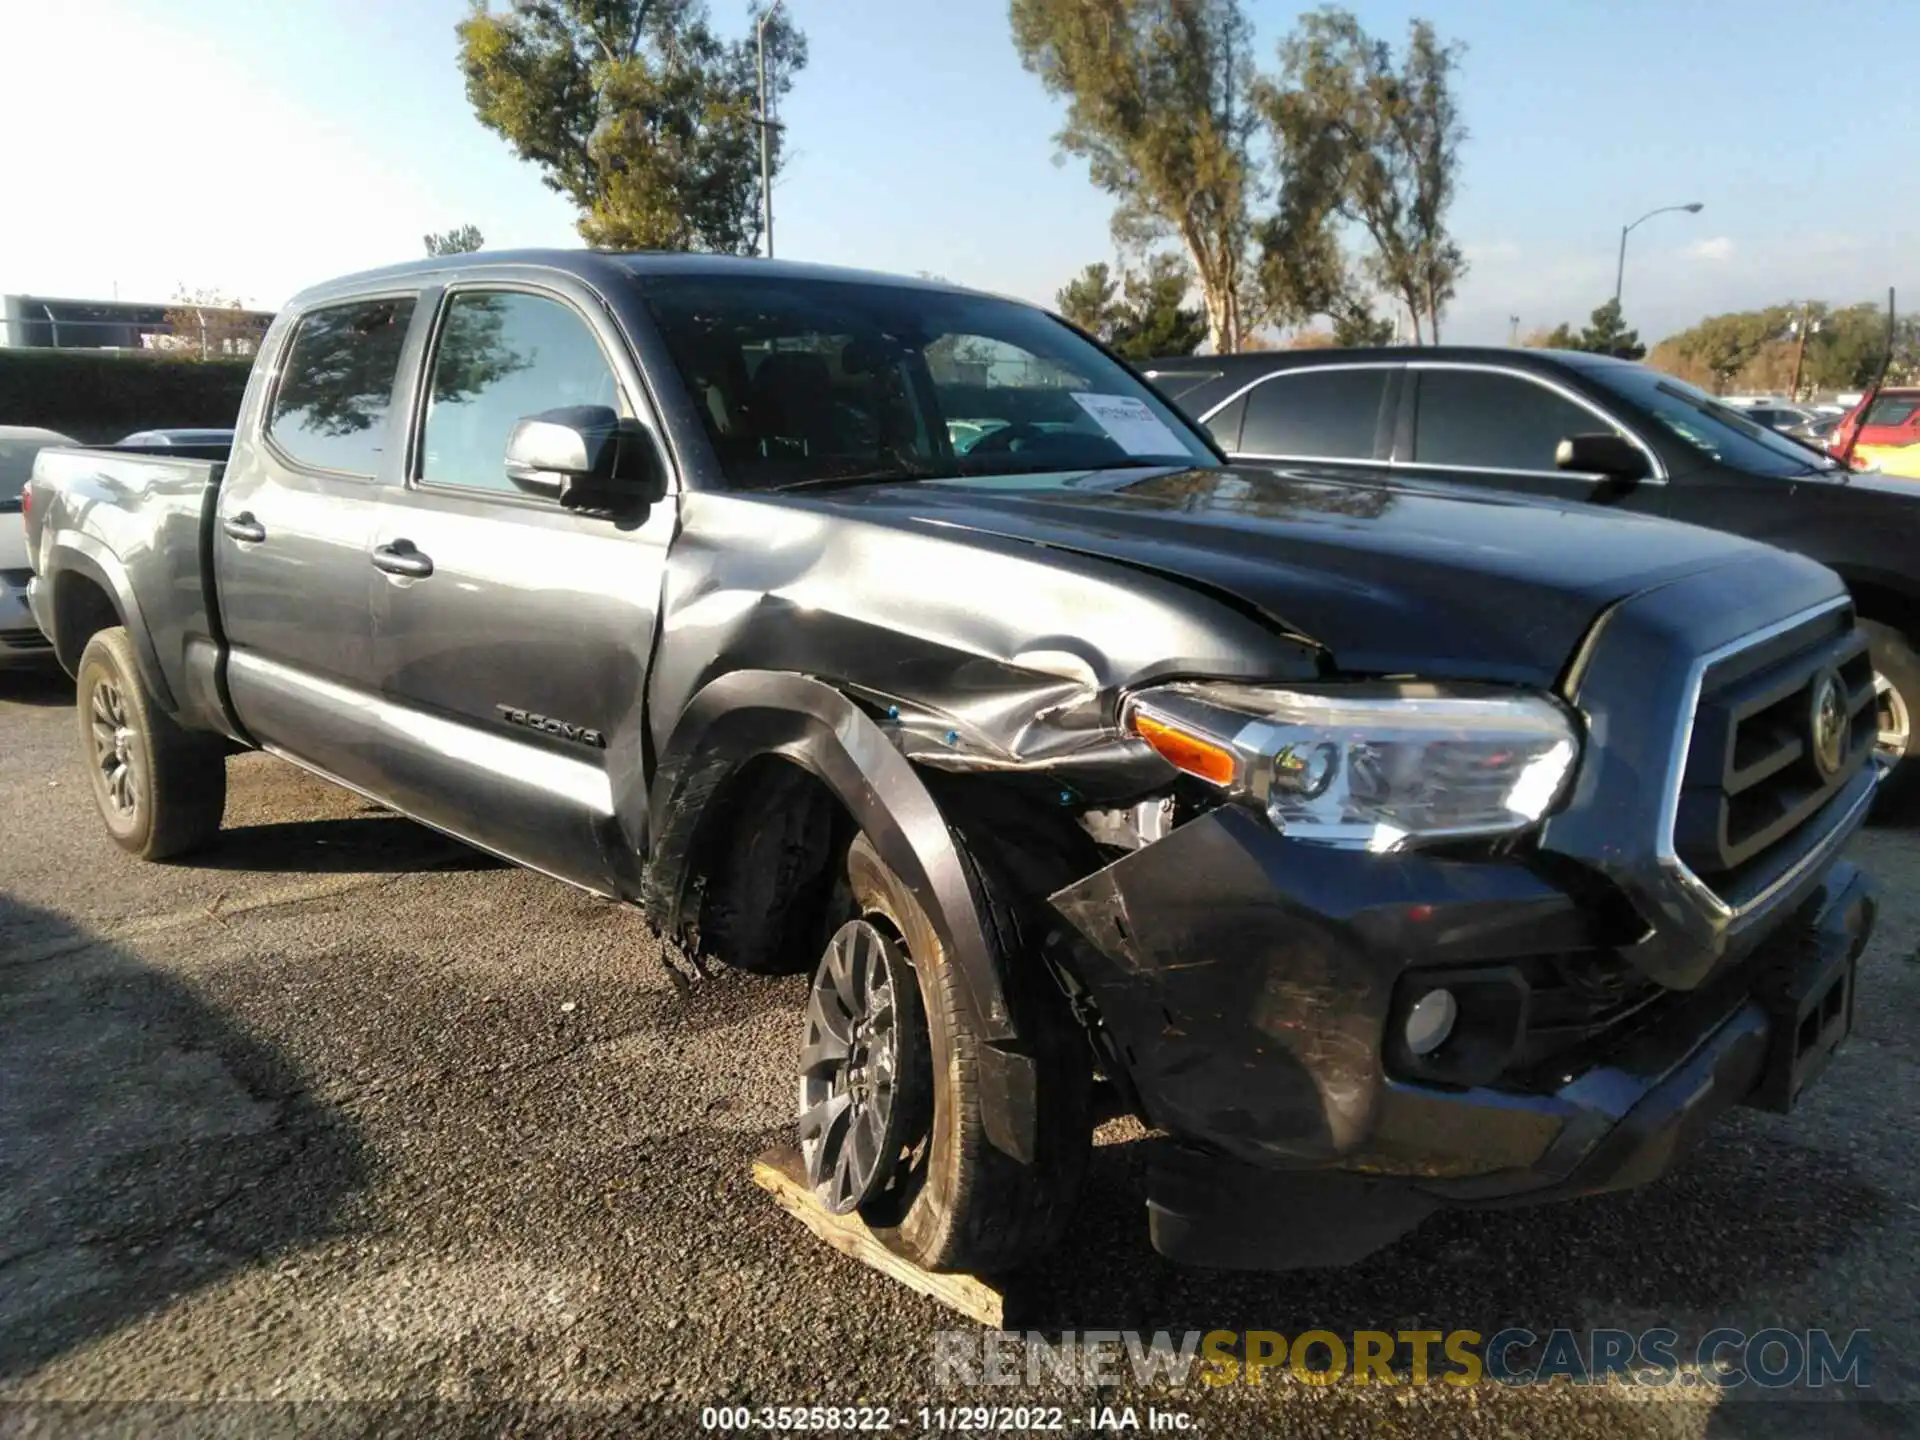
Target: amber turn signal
{"x": 1186, "y": 752}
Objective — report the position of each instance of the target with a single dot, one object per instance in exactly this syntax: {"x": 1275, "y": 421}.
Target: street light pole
{"x": 766, "y": 167}
{"x": 1620, "y": 270}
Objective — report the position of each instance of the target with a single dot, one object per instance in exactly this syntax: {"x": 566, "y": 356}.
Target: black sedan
{"x": 1574, "y": 425}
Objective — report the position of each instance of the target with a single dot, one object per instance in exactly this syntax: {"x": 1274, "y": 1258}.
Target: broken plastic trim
{"x": 1054, "y": 731}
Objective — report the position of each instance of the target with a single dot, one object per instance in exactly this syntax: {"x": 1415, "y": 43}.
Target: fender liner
{"x": 80, "y": 554}
{"x": 750, "y": 713}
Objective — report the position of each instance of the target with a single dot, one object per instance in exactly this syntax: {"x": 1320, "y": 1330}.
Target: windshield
{"x": 801, "y": 381}
{"x": 1717, "y": 431}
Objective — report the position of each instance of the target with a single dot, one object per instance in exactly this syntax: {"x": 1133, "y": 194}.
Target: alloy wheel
{"x": 115, "y": 748}
{"x": 850, "y": 1068}
{"x": 1895, "y": 724}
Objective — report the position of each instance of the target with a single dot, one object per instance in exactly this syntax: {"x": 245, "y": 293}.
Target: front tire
{"x": 1896, "y": 679}
{"x": 160, "y": 789}
{"x": 953, "y": 1201}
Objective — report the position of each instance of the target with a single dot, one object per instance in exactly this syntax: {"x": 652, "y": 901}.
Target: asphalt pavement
{"x": 343, "y": 1128}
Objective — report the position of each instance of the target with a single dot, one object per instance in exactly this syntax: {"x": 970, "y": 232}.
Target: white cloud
{"x": 1716, "y": 249}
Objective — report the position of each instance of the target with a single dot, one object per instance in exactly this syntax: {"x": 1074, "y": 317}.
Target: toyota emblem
{"x": 1829, "y": 724}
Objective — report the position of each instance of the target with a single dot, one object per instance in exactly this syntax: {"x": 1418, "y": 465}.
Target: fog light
{"x": 1430, "y": 1021}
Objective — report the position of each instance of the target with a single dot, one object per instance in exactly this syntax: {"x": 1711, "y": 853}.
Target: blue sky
{"x": 257, "y": 147}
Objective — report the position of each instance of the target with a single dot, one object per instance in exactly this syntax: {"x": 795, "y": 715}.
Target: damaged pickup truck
{"x": 1381, "y": 847}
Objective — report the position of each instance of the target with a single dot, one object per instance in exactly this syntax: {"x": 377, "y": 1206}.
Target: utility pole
{"x": 1513, "y": 329}
{"x": 1801, "y": 326}
{"x": 766, "y": 124}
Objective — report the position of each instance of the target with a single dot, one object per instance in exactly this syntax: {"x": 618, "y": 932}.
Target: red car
{"x": 1890, "y": 435}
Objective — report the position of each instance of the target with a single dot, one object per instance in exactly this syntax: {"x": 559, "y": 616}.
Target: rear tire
{"x": 161, "y": 789}
{"x": 958, "y": 1202}
{"x": 1896, "y": 673}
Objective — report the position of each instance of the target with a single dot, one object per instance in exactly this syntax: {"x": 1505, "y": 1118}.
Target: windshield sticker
{"x": 1134, "y": 427}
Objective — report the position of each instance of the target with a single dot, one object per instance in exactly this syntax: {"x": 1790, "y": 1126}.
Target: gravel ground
{"x": 344, "y": 1128}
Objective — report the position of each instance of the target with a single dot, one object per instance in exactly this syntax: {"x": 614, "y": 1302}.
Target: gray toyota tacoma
{"x": 1382, "y": 846}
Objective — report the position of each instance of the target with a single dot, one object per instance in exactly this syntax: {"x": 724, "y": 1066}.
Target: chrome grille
{"x": 1754, "y": 781}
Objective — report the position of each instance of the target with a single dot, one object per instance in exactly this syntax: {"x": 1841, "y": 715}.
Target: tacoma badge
{"x": 578, "y": 734}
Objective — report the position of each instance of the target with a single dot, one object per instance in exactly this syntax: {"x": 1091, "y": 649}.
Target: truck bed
{"x": 135, "y": 523}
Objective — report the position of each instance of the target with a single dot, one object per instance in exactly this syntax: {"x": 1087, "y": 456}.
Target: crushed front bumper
{"x": 1248, "y": 986}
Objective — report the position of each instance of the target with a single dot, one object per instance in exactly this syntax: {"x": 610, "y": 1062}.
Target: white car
{"x": 21, "y": 642}
{"x": 1776, "y": 416}
{"x": 177, "y": 437}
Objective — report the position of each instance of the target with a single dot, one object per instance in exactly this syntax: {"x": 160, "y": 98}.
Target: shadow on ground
{"x": 377, "y": 843}
{"x": 148, "y": 1145}
{"x": 46, "y": 686}
{"x": 1704, "y": 1238}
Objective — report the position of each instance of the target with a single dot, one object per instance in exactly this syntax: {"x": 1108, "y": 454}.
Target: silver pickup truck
{"x": 1415, "y": 846}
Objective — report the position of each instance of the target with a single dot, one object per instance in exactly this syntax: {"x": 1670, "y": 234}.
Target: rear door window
{"x": 1315, "y": 414}
{"x": 331, "y": 409}
{"x": 1483, "y": 420}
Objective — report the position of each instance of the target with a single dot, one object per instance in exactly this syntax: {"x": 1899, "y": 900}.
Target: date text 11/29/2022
{"x": 962, "y": 1419}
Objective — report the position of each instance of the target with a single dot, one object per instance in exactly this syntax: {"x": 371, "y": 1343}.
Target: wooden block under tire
{"x": 781, "y": 1172}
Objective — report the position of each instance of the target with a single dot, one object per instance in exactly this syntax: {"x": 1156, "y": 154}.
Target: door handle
{"x": 401, "y": 558}
{"x": 244, "y": 527}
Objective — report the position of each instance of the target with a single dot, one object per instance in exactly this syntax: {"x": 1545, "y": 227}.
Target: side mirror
{"x": 587, "y": 458}
{"x": 1603, "y": 453}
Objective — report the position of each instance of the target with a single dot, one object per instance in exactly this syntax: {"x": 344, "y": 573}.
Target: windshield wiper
{"x": 965, "y": 471}
{"x": 1054, "y": 467}
{"x": 859, "y": 477}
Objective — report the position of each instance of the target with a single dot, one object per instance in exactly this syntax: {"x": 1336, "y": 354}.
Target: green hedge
{"x": 97, "y": 396}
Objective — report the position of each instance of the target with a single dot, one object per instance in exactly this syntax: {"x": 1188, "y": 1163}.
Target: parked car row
{"x": 1575, "y": 426}
{"x": 1776, "y": 415}
{"x": 1363, "y": 828}
{"x": 1819, "y": 430}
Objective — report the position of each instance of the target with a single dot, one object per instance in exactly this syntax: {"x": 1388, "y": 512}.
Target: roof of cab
{"x": 605, "y": 267}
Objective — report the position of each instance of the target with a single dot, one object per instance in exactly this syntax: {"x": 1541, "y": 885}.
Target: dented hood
{"x": 1389, "y": 577}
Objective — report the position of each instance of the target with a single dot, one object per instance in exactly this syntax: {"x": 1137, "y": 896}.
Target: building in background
{"x": 43, "y": 322}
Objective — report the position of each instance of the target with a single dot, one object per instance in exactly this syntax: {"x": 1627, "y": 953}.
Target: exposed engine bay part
{"x": 1132, "y": 828}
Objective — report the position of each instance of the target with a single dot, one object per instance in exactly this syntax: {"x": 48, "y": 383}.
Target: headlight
{"x": 1376, "y": 766}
